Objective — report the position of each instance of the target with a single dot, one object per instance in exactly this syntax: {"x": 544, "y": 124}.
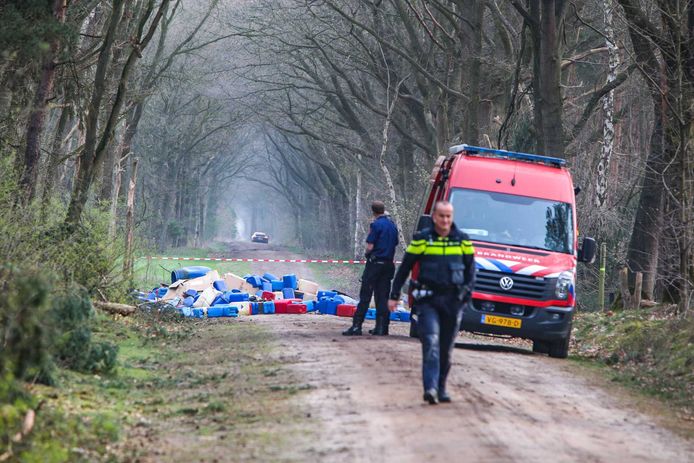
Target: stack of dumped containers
{"x": 199, "y": 291}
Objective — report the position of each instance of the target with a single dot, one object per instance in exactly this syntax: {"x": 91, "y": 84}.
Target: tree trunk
{"x": 88, "y": 158}
{"x": 122, "y": 153}
{"x": 56, "y": 155}
{"x": 168, "y": 206}
{"x": 93, "y": 153}
{"x": 405, "y": 166}
{"x": 545, "y": 19}
{"x": 357, "y": 213}
{"x": 7, "y": 74}
{"x": 130, "y": 224}
{"x": 644, "y": 244}
{"x": 72, "y": 169}
{"x": 687, "y": 206}
{"x": 37, "y": 119}
{"x": 550, "y": 78}
{"x": 117, "y": 180}
{"x": 538, "y": 125}
{"x": 108, "y": 167}
{"x": 685, "y": 108}
{"x": 608, "y": 111}
{"x": 386, "y": 172}
{"x": 203, "y": 216}
{"x": 471, "y": 41}
{"x": 198, "y": 216}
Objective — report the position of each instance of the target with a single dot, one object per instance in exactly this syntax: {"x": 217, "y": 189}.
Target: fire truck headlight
{"x": 564, "y": 284}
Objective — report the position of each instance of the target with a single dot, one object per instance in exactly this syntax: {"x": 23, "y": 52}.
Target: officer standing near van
{"x": 444, "y": 285}
{"x": 378, "y": 272}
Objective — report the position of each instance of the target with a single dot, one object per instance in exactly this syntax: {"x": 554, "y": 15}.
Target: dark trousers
{"x": 438, "y": 325}
{"x": 375, "y": 281}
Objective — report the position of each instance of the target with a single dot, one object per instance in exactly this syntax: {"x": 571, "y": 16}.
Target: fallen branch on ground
{"x": 114, "y": 307}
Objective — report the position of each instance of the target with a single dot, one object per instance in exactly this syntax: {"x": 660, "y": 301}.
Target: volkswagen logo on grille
{"x": 506, "y": 283}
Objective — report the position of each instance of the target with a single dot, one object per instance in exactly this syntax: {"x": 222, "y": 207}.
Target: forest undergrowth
{"x": 649, "y": 349}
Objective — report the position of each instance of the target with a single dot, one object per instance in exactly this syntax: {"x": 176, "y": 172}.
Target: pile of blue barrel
{"x": 234, "y": 302}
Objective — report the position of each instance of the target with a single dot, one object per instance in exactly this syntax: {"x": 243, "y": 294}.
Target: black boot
{"x": 376, "y": 329}
{"x": 381, "y": 328}
{"x": 431, "y": 396}
{"x": 443, "y": 396}
{"x": 354, "y": 330}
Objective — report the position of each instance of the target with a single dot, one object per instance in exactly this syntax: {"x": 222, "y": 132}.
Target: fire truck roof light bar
{"x": 558, "y": 162}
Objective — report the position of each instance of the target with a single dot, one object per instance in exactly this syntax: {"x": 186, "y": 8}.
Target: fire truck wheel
{"x": 560, "y": 349}
{"x": 541, "y": 347}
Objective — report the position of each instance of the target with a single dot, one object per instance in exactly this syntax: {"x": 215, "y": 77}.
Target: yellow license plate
{"x": 501, "y": 321}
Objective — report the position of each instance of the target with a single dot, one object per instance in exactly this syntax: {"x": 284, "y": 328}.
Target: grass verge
{"x": 650, "y": 350}
{"x": 184, "y": 390}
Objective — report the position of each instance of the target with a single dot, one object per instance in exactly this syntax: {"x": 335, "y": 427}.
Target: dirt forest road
{"x": 510, "y": 405}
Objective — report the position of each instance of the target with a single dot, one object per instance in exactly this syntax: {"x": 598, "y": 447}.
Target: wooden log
{"x": 115, "y": 308}
{"x": 624, "y": 287}
{"x": 636, "y": 298}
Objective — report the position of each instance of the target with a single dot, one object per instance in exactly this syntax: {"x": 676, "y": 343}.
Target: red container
{"x": 296, "y": 308}
{"x": 268, "y": 295}
{"x": 281, "y": 306}
{"x": 346, "y": 310}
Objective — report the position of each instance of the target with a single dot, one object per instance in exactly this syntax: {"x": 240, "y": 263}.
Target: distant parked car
{"x": 260, "y": 237}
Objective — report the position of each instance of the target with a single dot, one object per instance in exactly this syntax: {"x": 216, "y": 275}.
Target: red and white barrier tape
{"x": 238, "y": 259}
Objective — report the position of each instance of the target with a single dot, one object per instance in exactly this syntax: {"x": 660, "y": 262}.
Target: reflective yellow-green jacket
{"x": 444, "y": 261}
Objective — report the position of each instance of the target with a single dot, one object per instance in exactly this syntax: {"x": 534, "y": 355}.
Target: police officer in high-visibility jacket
{"x": 444, "y": 285}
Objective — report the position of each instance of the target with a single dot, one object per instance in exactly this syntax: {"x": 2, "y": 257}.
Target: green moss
{"x": 51, "y": 451}
{"x": 652, "y": 350}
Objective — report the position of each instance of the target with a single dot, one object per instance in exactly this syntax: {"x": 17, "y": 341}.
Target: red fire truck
{"x": 519, "y": 210}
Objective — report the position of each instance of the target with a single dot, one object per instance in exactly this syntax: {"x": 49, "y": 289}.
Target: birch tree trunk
{"x": 386, "y": 172}
{"x": 608, "y": 109}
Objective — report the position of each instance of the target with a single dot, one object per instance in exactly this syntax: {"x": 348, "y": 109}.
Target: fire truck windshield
{"x": 514, "y": 220}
